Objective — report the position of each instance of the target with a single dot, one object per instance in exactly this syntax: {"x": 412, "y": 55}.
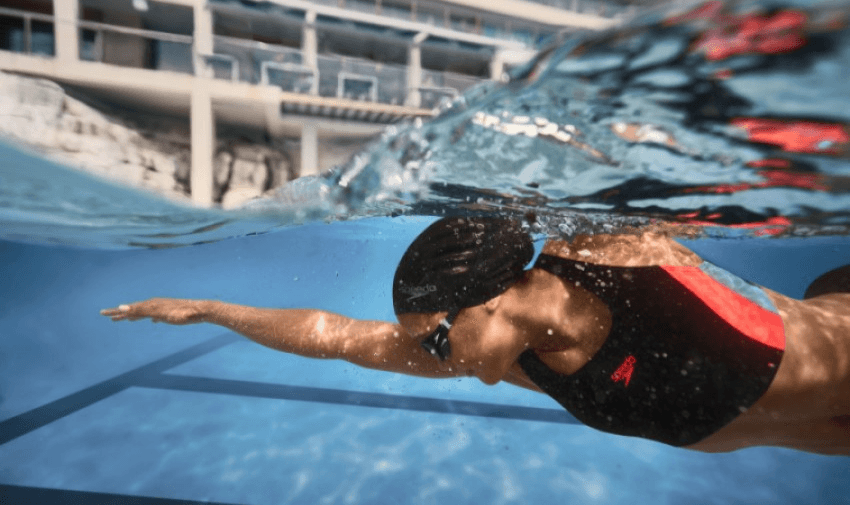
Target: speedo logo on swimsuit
{"x": 624, "y": 372}
{"x": 418, "y": 291}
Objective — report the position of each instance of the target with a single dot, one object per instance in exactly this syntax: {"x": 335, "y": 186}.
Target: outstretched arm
{"x": 306, "y": 332}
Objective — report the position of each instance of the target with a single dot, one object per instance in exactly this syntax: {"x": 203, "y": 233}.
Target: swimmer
{"x": 632, "y": 334}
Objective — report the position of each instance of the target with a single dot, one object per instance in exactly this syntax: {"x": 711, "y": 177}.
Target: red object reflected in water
{"x": 731, "y": 35}
{"x": 770, "y": 226}
{"x": 780, "y": 33}
{"x": 772, "y": 179}
{"x": 797, "y": 136}
{"x": 769, "y": 163}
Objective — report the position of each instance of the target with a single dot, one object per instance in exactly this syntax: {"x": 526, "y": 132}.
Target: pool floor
{"x": 100, "y": 412}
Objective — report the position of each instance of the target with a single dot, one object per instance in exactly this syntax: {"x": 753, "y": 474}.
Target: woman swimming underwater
{"x": 633, "y": 335}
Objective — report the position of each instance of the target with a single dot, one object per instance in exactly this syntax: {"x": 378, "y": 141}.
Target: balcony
{"x": 234, "y": 59}
{"x": 452, "y": 17}
{"x": 135, "y": 47}
{"x": 336, "y": 76}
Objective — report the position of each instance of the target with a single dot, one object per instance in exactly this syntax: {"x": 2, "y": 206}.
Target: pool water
{"x": 199, "y": 414}
{"x": 736, "y": 138}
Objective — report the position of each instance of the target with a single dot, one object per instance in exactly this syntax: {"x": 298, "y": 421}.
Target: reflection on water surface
{"x": 729, "y": 121}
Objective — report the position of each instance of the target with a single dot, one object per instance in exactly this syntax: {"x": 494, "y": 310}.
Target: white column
{"x": 309, "y": 148}
{"x": 201, "y": 115}
{"x": 497, "y": 65}
{"x": 414, "y": 71}
{"x": 310, "y": 49}
{"x": 202, "y": 37}
{"x": 202, "y": 124}
{"x": 66, "y": 33}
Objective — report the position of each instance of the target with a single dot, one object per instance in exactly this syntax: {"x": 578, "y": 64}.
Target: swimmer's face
{"x": 468, "y": 350}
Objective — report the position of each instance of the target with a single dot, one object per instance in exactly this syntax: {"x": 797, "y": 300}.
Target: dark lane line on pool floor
{"x": 43, "y": 496}
{"x": 355, "y": 398}
{"x": 151, "y": 376}
{"x": 22, "y": 424}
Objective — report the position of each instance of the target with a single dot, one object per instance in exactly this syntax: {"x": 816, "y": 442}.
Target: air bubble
{"x": 566, "y": 229}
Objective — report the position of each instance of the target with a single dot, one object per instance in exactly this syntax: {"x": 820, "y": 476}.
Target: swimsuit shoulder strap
{"x": 587, "y": 274}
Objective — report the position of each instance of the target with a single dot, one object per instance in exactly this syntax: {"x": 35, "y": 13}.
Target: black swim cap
{"x": 460, "y": 262}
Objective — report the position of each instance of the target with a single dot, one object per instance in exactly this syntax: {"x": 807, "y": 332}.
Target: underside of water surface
{"x": 713, "y": 117}
{"x": 707, "y": 121}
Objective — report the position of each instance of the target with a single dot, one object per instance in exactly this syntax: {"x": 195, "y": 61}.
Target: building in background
{"x": 319, "y": 73}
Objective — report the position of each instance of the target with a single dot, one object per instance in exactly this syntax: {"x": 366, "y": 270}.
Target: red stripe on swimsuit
{"x": 742, "y": 314}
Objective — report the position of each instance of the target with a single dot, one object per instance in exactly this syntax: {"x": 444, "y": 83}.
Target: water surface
{"x": 731, "y": 121}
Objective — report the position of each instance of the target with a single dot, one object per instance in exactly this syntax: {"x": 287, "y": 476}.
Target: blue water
{"x": 237, "y": 439}
{"x": 200, "y": 414}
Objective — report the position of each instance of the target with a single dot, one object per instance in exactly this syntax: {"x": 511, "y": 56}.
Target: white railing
{"x": 444, "y": 15}
{"x": 250, "y": 56}
{"x": 357, "y": 87}
{"x": 222, "y": 66}
{"x": 288, "y": 76}
{"x": 26, "y": 39}
{"x": 236, "y": 60}
{"x": 147, "y": 48}
{"x": 335, "y": 76}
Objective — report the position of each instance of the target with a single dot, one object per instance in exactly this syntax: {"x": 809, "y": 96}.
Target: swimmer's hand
{"x": 166, "y": 310}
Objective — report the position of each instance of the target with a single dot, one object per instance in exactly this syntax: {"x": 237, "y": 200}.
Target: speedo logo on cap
{"x": 418, "y": 291}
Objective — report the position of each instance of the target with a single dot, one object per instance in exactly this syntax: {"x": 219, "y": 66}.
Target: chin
{"x": 490, "y": 381}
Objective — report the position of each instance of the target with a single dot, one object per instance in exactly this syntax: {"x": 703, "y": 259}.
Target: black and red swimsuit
{"x": 690, "y": 348}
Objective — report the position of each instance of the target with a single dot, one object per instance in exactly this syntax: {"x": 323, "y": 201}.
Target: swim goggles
{"x": 437, "y": 342}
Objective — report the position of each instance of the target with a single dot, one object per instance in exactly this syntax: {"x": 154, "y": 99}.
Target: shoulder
{"x": 643, "y": 249}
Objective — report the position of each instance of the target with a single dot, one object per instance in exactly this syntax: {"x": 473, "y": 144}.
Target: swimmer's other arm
{"x": 306, "y": 332}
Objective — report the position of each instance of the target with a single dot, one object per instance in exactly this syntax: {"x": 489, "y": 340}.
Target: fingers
{"x": 160, "y": 310}
{"x": 118, "y": 310}
{"x": 119, "y": 313}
